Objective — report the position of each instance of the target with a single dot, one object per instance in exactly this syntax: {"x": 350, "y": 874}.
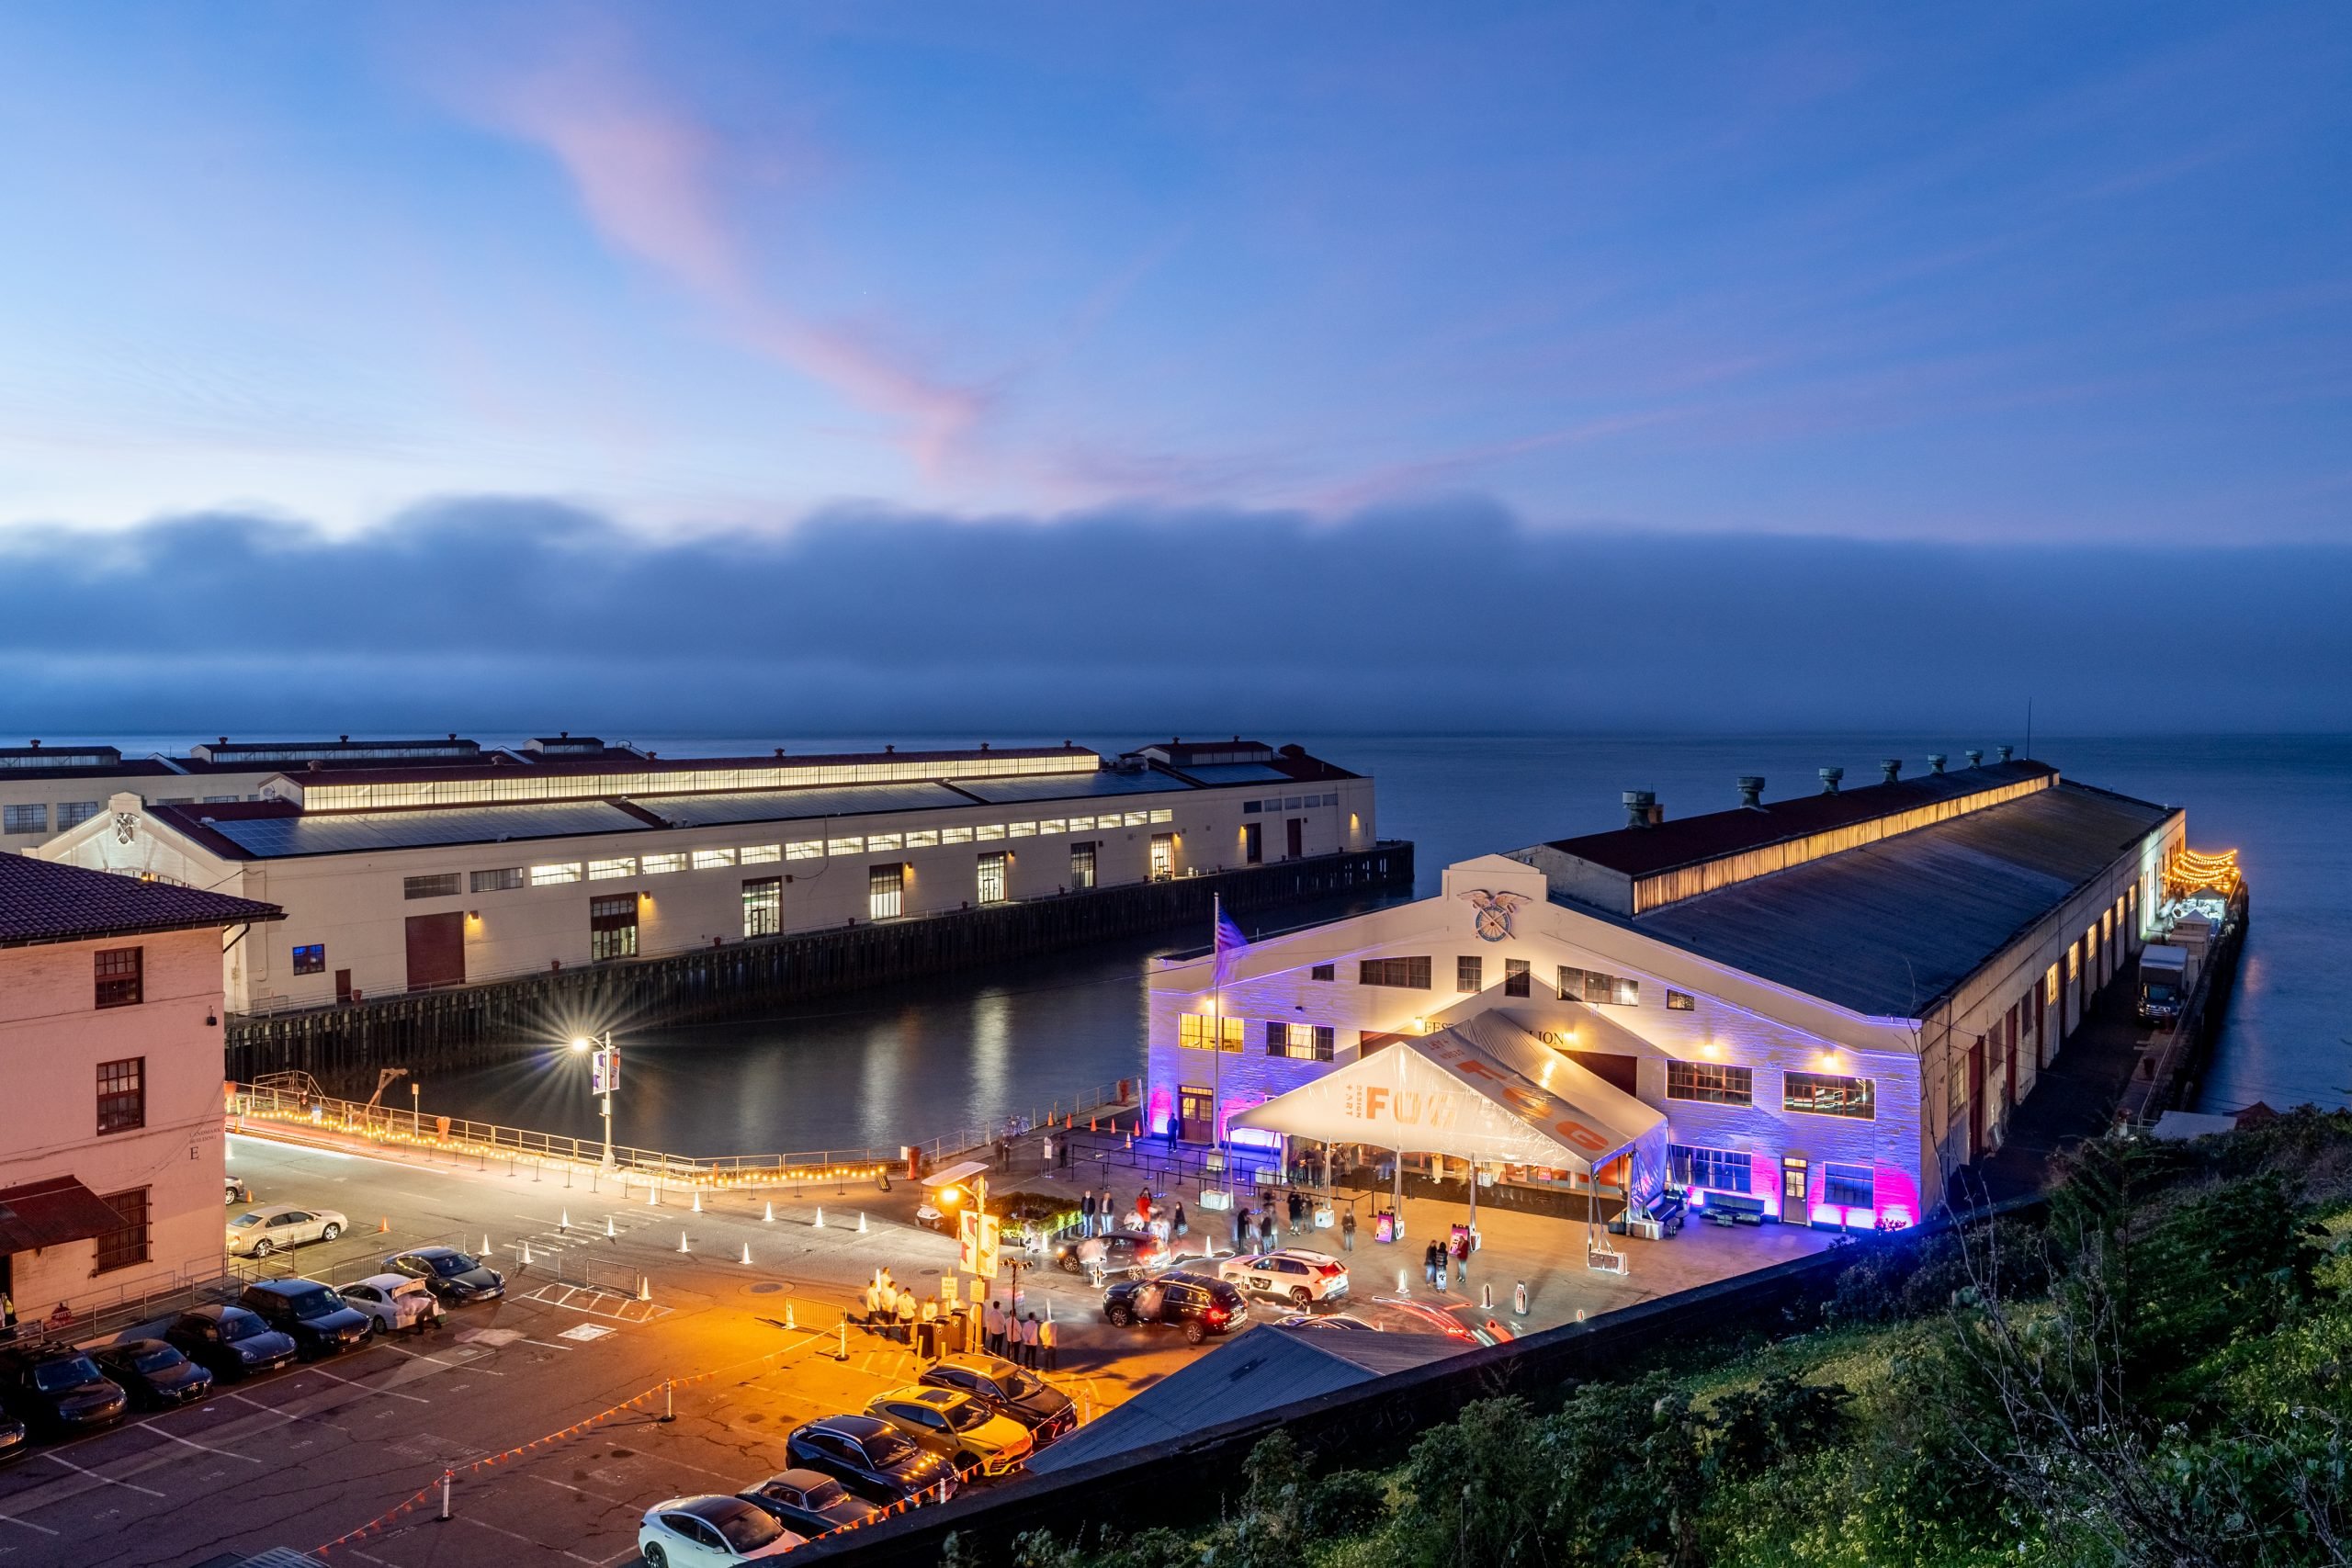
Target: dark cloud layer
{"x": 504, "y": 616}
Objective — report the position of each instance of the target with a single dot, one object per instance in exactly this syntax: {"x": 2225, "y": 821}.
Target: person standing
{"x": 993, "y": 1326}
{"x": 1297, "y": 1209}
{"x": 1348, "y": 1230}
{"x": 1431, "y": 1267}
{"x": 1241, "y": 1216}
{"x": 1460, "y": 1260}
{"x": 1086, "y": 1212}
{"x": 1049, "y": 1340}
{"x": 906, "y": 1317}
{"x": 1029, "y": 1341}
{"x": 1049, "y": 1151}
{"x": 1182, "y": 1225}
{"x": 927, "y": 1329}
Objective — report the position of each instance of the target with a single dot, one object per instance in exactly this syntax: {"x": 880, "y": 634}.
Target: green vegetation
{"x": 2159, "y": 1371}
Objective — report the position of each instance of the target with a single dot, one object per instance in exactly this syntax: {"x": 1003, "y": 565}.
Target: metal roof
{"x": 44, "y": 901}
{"x": 284, "y": 834}
{"x": 1889, "y": 929}
{"x": 1076, "y": 786}
{"x": 1644, "y": 852}
{"x": 796, "y": 804}
{"x": 1237, "y": 773}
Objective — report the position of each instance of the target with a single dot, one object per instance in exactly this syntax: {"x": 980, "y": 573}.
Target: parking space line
{"x": 369, "y": 1388}
{"x": 110, "y": 1480}
{"x": 257, "y": 1405}
{"x": 473, "y": 1365}
{"x": 527, "y": 1541}
{"x": 207, "y": 1448}
{"x": 544, "y": 1345}
{"x": 568, "y": 1487}
{"x": 12, "y": 1519}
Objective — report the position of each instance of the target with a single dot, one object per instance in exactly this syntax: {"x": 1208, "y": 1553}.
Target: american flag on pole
{"x": 1229, "y": 943}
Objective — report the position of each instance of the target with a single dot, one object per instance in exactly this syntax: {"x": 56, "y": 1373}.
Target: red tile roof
{"x": 44, "y": 902}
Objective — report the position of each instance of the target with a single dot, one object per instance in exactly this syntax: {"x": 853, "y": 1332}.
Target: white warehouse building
{"x": 401, "y": 878}
{"x": 1835, "y": 1001}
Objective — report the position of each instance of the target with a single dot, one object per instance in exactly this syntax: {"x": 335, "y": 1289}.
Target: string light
{"x": 2188, "y": 872}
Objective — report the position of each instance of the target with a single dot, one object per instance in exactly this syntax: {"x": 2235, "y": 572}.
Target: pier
{"x": 467, "y": 1024}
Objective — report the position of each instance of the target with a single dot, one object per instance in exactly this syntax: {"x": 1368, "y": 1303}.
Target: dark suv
{"x": 319, "y": 1322}
{"x": 58, "y": 1389}
{"x": 872, "y": 1458}
{"x": 1115, "y": 1252}
{"x": 1199, "y": 1306}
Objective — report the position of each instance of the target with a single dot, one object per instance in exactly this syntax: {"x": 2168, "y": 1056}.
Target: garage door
{"x": 437, "y": 950}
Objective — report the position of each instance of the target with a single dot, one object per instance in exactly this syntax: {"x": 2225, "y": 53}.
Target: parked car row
{"x": 61, "y": 1390}
{"x": 969, "y": 1418}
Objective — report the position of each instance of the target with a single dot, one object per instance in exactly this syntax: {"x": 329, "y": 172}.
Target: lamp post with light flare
{"x": 604, "y": 1077}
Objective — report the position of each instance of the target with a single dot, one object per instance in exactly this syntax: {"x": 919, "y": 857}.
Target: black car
{"x": 320, "y": 1322}
{"x": 871, "y": 1458}
{"x": 1196, "y": 1304}
{"x": 811, "y": 1502}
{"x": 1008, "y": 1389}
{"x": 230, "y": 1341}
{"x": 1124, "y": 1252}
{"x": 455, "y": 1277}
{"x": 15, "y": 1442}
{"x": 56, "y": 1388}
{"x": 156, "y": 1374}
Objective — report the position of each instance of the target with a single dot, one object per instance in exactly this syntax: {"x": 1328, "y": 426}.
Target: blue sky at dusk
{"x": 329, "y": 282}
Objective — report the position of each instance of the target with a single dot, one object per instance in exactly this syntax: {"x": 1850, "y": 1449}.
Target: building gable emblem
{"x": 1491, "y": 919}
{"x": 126, "y": 826}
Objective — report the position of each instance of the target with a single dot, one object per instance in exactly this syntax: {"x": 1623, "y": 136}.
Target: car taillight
{"x": 1214, "y": 1314}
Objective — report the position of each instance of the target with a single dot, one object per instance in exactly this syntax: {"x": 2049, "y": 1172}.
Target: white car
{"x": 257, "y": 1233}
{"x": 1292, "y": 1273}
{"x": 394, "y": 1301}
{"x": 707, "y": 1532}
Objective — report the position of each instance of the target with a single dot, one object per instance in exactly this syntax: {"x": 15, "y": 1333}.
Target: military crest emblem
{"x": 1492, "y": 912}
{"x": 126, "y": 826}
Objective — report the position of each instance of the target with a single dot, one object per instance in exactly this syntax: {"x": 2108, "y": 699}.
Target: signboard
{"x": 968, "y": 1242}
{"x": 986, "y": 1262}
{"x": 604, "y": 1071}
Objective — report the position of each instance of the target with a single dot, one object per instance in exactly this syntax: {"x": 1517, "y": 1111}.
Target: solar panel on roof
{"x": 1078, "y": 786}
{"x": 1237, "y": 773}
{"x": 277, "y": 836}
{"x": 797, "y": 805}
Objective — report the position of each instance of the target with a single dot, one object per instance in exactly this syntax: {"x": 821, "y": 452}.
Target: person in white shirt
{"x": 1049, "y": 1345}
{"x": 1028, "y": 1357}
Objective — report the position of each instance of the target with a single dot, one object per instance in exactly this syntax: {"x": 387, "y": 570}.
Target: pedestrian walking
{"x": 906, "y": 1317}
{"x": 1432, "y": 1266}
{"x": 1348, "y": 1230}
{"x": 1240, "y": 1217}
{"x": 1029, "y": 1341}
{"x": 992, "y": 1325}
{"x": 1461, "y": 1251}
{"x": 1049, "y": 1344}
{"x": 1183, "y": 1226}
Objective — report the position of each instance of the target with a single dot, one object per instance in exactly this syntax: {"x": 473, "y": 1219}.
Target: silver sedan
{"x": 257, "y": 1233}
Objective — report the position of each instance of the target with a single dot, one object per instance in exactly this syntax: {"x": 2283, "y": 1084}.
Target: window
{"x": 126, "y": 1245}
{"x": 877, "y": 842}
{"x": 118, "y": 972}
{"x": 960, "y": 835}
{"x": 844, "y": 846}
{"x": 612, "y": 927}
{"x": 992, "y": 879}
{"x": 1324, "y": 972}
{"x": 713, "y": 860}
{"x": 1163, "y": 856}
{"x": 923, "y": 838}
{"x": 1197, "y": 1031}
{"x": 886, "y": 890}
{"x": 1720, "y": 1170}
{"x": 1680, "y": 1001}
{"x": 1022, "y": 831}
{"x": 663, "y": 864}
{"x": 1515, "y": 978}
{"x": 989, "y": 830}
{"x": 1410, "y": 973}
{"x": 1327, "y": 1040}
{"x": 758, "y": 854}
{"x": 444, "y": 885}
{"x": 1250, "y": 808}
{"x": 1710, "y": 1082}
{"x": 1053, "y": 825}
{"x": 1082, "y": 824}
{"x": 500, "y": 881}
{"x": 1591, "y": 985}
{"x": 73, "y": 813}
{"x": 1300, "y": 1041}
{"x": 1164, "y": 813}
{"x": 123, "y": 1095}
{"x": 1469, "y": 975}
{"x": 1081, "y": 866}
{"x": 1138, "y": 819}
{"x": 24, "y": 818}
{"x": 1849, "y": 1186}
{"x": 554, "y": 876}
{"x": 764, "y": 906}
{"x": 311, "y": 958}
{"x": 605, "y": 870}
{"x": 806, "y": 849}
{"x": 1826, "y": 1094}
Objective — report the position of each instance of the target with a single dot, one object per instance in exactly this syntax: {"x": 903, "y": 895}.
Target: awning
{"x": 52, "y": 1213}
{"x": 1485, "y": 1090}
{"x": 954, "y": 1173}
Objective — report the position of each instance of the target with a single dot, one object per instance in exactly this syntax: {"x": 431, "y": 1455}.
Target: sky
{"x": 2036, "y": 304}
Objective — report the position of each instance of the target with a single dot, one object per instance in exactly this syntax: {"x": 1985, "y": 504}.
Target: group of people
{"x": 1257, "y": 1232}
{"x": 1023, "y": 1338}
{"x": 1098, "y": 1215}
{"x": 933, "y": 1328}
{"x": 1452, "y": 1255}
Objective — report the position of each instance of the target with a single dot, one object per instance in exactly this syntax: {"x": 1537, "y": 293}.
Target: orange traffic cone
{"x": 384, "y": 1226}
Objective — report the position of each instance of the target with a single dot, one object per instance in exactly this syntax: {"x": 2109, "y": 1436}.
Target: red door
{"x": 1976, "y": 1099}
{"x": 437, "y": 950}
{"x": 2009, "y": 1059}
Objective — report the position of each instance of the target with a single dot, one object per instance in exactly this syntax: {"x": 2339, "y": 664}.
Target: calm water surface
{"x": 923, "y": 1059}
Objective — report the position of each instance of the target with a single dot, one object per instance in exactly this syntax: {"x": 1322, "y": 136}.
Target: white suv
{"x": 1292, "y": 1273}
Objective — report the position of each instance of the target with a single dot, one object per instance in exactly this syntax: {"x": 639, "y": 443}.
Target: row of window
{"x": 1287, "y": 803}
{"x": 1818, "y": 1094}
{"x": 1731, "y": 1170}
{"x": 1470, "y": 977}
{"x": 35, "y": 819}
{"x": 1299, "y": 1042}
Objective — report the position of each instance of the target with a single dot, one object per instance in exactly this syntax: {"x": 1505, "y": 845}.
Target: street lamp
{"x": 604, "y": 1078}
{"x": 416, "y": 1109}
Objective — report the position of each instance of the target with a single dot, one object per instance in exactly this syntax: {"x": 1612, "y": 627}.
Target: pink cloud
{"x": 644, "y": 172}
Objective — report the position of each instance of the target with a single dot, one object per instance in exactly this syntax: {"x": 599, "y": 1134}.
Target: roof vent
{"x": 2008, "y": 752}
{"x": 1892, "y": 767}
{"x": 1935, "y": 761}
{"x": 1638, "y": 803}
{"x": 1751, "y": 791}
{"x": 1829, "y": 777}
{"x": 1976, "y": 758}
